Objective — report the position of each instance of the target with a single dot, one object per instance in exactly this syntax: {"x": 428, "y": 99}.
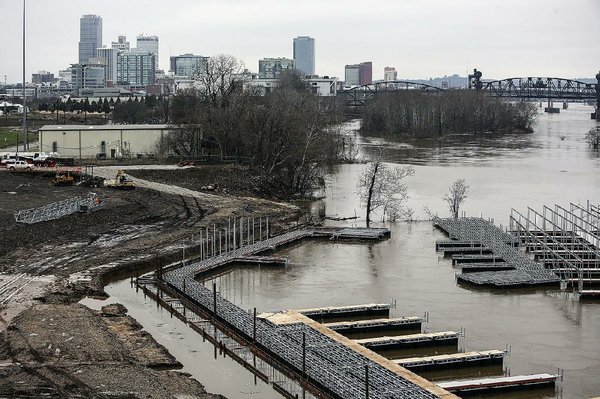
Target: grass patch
{"x": 8, "y": 136}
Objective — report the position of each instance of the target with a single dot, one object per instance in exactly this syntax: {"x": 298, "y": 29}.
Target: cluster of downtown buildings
{"x": 122, "y": 69}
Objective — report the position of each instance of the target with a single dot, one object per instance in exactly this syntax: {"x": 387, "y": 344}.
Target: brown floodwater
{"x": 545, "y": 330}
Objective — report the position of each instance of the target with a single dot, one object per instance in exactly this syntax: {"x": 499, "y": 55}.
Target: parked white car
{"x": 19, "y": 165}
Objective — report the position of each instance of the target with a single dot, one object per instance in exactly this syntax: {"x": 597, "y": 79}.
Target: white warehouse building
{"x": 110, "y": 141}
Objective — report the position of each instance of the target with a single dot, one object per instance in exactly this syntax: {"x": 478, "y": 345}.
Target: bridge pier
{"x": 475, "y": 80}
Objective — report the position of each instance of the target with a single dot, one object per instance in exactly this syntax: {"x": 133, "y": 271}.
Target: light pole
{"x": 24, "y": 93}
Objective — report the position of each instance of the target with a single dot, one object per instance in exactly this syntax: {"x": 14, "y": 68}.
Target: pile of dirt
{"x": 72, "y": 351}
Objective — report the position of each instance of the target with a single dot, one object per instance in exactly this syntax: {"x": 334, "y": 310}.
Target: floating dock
{"x": 485, "y": 384}
{"x": 485, "y": 267}
{"x": 484, "y": 258}
{"x": 589, "y": 294}
{"x": 351, "y": 233}
{"x": 326, "y": 363}
{"x": 481, "y": 250}
{"x": 347, "y": 312}
{"x": 262, "y": 260}
{"x": 376, "y": 325}
{"x": 455, "y": 360}
{"x": 444, "y": 338}
{"x": 517, "y": 269}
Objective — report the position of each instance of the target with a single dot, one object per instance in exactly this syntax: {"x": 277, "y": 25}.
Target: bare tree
{"x": 593, "y": 138}
{"x": 381, "y": 187}
{"x": 457, "y": 194}
{"x": 221, "y": 78}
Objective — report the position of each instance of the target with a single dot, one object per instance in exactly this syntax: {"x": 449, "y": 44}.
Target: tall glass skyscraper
{"x": 304, "y": 54}
{"x": 90, "y": 37}
{"x": 148, "y": 44}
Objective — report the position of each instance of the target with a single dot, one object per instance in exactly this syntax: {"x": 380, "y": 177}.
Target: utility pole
{"x": 24, "y": 93}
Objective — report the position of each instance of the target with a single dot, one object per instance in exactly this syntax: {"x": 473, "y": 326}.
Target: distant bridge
{"x": 357, "y": 96}
{"x": 516, "y": 88}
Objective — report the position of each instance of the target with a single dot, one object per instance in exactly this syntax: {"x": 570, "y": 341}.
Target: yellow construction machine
{"x": 122, "y": 182}
{"x": 63, "y": 179}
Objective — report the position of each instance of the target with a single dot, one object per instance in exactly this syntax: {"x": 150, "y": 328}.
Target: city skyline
{"x": 420, "y": 40}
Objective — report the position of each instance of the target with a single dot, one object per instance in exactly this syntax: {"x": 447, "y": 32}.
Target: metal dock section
{"x": 566, "y": 241}
{"x": 513, "y": 382}
{"x": 485, "y": 267}
{"x": 59, "y": 209}
{"x": 324, "y": 362}
{"x": 523, "y": 271}
{"x": 589, "y": 294}
{"x": 444, "y": 338}
{"x": 454, "y": 360}
{"x": 350, "y": 311}
{"x": 363, "y": 326}
{"x": 351, "y": 233}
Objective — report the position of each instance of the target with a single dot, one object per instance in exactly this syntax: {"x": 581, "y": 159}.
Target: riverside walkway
{"x": 483, "y": 234}
{"x": 322, "y": 359}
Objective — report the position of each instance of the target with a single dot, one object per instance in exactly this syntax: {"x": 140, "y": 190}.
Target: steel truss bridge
{"x": 515, "y": 88}
{"x": 537, "y": 87}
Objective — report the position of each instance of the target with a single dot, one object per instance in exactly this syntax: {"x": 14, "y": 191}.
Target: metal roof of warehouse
{"x": 101, "y": 127}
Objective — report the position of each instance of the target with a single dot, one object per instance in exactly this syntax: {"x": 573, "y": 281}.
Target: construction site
{"x": 172, "y": 242}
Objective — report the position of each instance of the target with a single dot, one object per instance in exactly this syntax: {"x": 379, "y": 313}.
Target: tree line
{"x": 136, "y": 109}
{"x": 289, "y": 136}
{"x": 417, "y": 114}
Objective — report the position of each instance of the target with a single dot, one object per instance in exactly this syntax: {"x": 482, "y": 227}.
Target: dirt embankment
{"x": 52, "y": 345}
{"x": 72, "y": 351}
{"x": 235, "y": 180}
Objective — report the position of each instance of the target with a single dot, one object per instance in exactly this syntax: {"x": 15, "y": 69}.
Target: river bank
{"x": 64, "y": 349}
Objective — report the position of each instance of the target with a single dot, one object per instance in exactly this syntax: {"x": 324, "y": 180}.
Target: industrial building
{"x": 99, "y": 141}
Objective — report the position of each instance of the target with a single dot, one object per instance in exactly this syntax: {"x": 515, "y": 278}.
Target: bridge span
{"x": 543, "y": 88}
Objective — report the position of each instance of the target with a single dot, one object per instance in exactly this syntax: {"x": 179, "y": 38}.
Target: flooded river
{"x": 545, "y": 330}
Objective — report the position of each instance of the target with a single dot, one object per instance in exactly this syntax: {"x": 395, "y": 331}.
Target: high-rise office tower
{"x": 90, "y": 37}
{"x": 304, "y": 54}
{"x": 135, "y": 69}
{"x": 109, "y": 57}
{"x": 148, "y": 44}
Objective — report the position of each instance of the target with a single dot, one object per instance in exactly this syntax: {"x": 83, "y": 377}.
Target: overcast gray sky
{"x": 421, "y": 38}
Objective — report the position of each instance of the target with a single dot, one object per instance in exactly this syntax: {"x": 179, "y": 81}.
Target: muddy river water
{"x": 545, "y": 330}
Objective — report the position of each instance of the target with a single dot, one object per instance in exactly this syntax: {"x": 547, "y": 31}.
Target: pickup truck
{"x": 19, "y": 165}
